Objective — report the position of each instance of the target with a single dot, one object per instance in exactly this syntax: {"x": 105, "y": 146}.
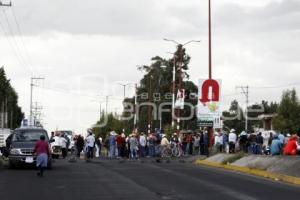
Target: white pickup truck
{"x": 4, "y": 133}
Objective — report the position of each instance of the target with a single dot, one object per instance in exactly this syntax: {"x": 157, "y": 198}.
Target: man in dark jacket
{"x": 79, "y": 145}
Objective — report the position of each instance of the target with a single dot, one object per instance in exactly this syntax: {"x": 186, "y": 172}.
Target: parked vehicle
{"x": 4, "y": 133}
{"x": 21, "y": 144}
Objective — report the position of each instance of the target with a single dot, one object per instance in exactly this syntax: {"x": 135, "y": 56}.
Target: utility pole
{"x": 100, "y": 110}
{"x": 135, "y": 109}
{"x": 209, "y": 41}
{"x": 210, "y": 130}
{"x": 37, "y": 113}
{"x": 31, "y": 94}
{"x": 245, "y": 91}
{"x": 124, "y": 93}
{"x": 150, "y": 106}
{"x": 173, "y": 89}
{"x": 106, "y": 104}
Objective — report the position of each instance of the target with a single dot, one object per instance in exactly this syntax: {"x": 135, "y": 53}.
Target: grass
{"x": 233, "y": 158}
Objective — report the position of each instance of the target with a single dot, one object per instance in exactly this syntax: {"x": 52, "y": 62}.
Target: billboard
{"x": 209, "y": 107}
{"x": 179, "y": 104}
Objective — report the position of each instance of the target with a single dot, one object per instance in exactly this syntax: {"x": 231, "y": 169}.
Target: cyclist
{"x": 176, "y": 145}
{"x": 164, "y": 141}
{"x": 175, "y": 139}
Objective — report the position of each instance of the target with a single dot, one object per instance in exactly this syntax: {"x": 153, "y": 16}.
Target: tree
{"x": 106, "y": 124}
{"x": 288, "y": 115}
{"x": 159, "y": 75}
{"x": 234, "y": 118}
{"x": 9, "y": 102}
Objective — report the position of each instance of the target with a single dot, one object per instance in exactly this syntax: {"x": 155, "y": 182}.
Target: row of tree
{"x": 286, "y": 114}
{"x": 156, "y": 87}
{"x": 11, "y": 114}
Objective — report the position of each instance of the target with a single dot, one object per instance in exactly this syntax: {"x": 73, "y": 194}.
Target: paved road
{"x": 137, "y": 180}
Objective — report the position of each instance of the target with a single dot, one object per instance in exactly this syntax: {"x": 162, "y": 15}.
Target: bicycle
{"x": 172, "y": 150}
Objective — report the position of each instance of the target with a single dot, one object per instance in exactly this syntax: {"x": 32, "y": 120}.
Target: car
{"x": 20, "y": 145}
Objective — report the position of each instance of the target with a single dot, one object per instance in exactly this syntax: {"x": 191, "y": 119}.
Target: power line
{"x": 16, "y": 42}
{"x": 15, "y": 52}
{"x": 21, "y": 36}
{"x": 245, "y": 91}
{"x": 275, "y": 87}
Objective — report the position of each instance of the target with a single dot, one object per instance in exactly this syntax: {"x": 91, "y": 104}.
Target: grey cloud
{"x": 276, "y": 16}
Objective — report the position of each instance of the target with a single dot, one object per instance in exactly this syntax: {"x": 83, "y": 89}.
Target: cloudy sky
{"x": 85, "y": 48}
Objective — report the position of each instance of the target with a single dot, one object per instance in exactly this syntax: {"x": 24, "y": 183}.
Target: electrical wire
{"x": 16, "y": 42}
{"x": 21, "y": 36}
{"x": 68, "y": 92}
{"x": 15, "y": 52}
{"x": 276, "y": 87}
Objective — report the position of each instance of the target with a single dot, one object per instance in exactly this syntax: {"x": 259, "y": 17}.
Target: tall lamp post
{"x": 149, "y": 106}
{"x": 180, "y": 60}
{"x": 210, "y": 129}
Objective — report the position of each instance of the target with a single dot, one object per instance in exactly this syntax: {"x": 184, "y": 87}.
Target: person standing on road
{"x": 63, "y": 144}
{"x": 41, "y": 150}
{"x": 112, "y": 144}
{"x": 98, "y": 147}
{"x": 151, "y": 145}
{"x": 90, "y": 143}
{"x": 143, "y": 143}
{"x": 119, "y": 143}
{"x": 190, "y": 141}
{"x": 259, "y": 143}
{"x": 232, "y": 141}
{"x": 133, "y": 143}
{"x": 243, "y": 141}
{"x": 79, "y": 145}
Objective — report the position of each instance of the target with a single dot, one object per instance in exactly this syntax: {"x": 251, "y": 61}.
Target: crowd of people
{"x": 141, "y": 145}
{"x": 267, "y": 142}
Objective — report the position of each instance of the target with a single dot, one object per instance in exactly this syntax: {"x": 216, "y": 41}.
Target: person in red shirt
{"x": 291, "y": 146}
{"x": 120, "y": 142}
{"x": 41, "y": 150}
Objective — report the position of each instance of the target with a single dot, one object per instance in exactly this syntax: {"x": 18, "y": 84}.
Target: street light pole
{"x": 149, "y": 106}
{"x": 124, "y": 88}
{"x": 180, "y": 46}
{"x": 173, "y": 95}
{"x": 135, "y": 109}
{"x": 209, "y": 41}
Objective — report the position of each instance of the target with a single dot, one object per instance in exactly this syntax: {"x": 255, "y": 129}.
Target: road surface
{"x": 101, "y": 180}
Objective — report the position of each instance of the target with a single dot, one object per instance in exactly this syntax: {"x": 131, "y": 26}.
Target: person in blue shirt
{"x": 281, "y": 138}
{"x": 276, "y": 146}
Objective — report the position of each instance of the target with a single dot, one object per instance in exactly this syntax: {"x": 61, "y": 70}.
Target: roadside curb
{"x": 255, "y": 172}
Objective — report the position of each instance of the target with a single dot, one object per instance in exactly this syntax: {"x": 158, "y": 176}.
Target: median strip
{"x": 255, "y": 172}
